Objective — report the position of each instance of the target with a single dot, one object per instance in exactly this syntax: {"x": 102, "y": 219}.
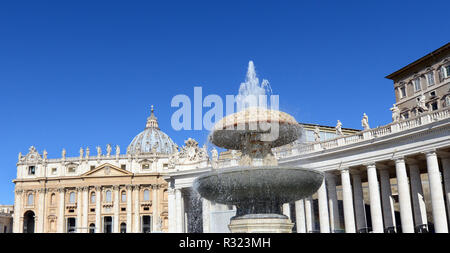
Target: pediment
{"x": 107, "y": 170}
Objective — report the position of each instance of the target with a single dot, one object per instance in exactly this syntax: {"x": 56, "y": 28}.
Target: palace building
{"x": 390, "y": 179}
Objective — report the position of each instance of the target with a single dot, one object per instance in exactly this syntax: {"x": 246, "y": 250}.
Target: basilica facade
{"x": 393, "y": 178}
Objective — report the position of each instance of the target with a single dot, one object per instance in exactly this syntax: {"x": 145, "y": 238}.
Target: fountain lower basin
{"x": 258, "y": 190}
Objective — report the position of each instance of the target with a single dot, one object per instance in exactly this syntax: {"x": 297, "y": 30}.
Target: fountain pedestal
{"x": 261, "y": 223}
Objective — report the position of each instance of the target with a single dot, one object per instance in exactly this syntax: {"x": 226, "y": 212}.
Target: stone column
{"x": 287, "y": 210}
{"x": 172, "y": 212}
{"x": 360, "y": 211}
{"x": 417, "y": 197}
{"x": 18, "y": 215}
{"x": 347, "y": 198}
{"x": 324, "y": 219}
{"x": 85, "y": 209}
{"x": 136, "y": 209}
{"x": 309, "y": 214}
{"x": 386, "y": 199}
{"x": 404, "y": 197}
{"x": 61, "y": 211}
{"x": 375, "y": 202}
{"x": 129, "y": 207}
{"x": 116, "y": 220}
{"x": 300, "y": 216}
{"x": 179, "y": 211}
{"x": 155, "y": 206}
{"x": 333, "y": 207}
{"x": 98, "y": 209}
{"x": 437, "y": 195}
{"x": 446, "y": 172}
{"x": 79, "y": 210}
{"x": 41, "y": 211}
{"x": 205, "y": 215}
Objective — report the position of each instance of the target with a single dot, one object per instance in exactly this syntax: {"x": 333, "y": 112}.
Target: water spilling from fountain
{"x": 258, "y": 186}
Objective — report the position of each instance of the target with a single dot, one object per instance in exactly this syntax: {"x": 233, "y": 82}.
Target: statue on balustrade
{"x": 365, "y": 122}
{"x": 395, "y": 113}
{"x": 339, "y": 128}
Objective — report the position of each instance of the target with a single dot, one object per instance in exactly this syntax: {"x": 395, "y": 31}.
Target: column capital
{"x": 129, "y": 187}
{"x": 370, "y": 164}
{"x": 116, "y": 187}
{"x": 42, "y": 190}
{"x": 431, "y": 152}
{"x": 344, "y": 170}
{"x": 61, "y": 190}
{"x": 136, "y": 187}
{"x": 19, "y": 191}
{"x": 98, "y": 188}
{"x": 79, "y": 188}
{"x": 399, "y": 159}
{"x": 85, "y": 188}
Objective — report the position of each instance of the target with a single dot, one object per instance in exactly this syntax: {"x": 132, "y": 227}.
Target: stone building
{"x": 105, "y": 192}
{"x": 6, "y": 218}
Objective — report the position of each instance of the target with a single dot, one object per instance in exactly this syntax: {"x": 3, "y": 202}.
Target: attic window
{"x": 145, "y": 166}
{"x": 123, "y": 166}
{"x": 54, "y": 170}
{"x": 71, "y": 169}
{"x": 92, "y": 167}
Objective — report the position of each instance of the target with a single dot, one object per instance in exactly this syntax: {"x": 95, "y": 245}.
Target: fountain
{"x": 258, "y": 186}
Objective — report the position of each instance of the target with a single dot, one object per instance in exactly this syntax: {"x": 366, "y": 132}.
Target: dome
{"x": 152, "y": 139}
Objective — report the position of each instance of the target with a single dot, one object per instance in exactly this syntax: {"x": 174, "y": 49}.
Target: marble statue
{"x": 395, "y": 113}
{"x": 316, "y": 134}
{"x": 365, "y": 122}
{"x": 129, "y": 150}
{"x": 117, "y": 150}
{"x": 339, "y": 128}
{"x": 87, "y": 152}
{"x": 63, "y": 154}
{"x": 81, "y": 153}
{"x": 214, "y": 154}
{"x": 421, "y": 103}
{"x": 108, "y": 150}
{"x": 20, "y": 156}
{"x": 45, "y": 154}
{"x": 99, "y": 151}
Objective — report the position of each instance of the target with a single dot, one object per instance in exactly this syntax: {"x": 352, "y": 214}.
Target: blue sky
{"x": 84, "y": 73}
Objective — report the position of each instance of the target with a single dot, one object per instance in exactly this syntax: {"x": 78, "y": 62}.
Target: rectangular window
{"x": 54, "y": 170}
{"x": 31, "y": 170}
{"x": 447, "y": 71}
{"x": 403, "y": 91}
{"x": 92, "y": 167}
{"x": 145, "y": 166}
{"x": 71, "y": 170}
{"x": 416, "y": 83}
{"x": 434, "y": 106}
{"x": 123, "y": 166}
{"x": 430, "y": 78}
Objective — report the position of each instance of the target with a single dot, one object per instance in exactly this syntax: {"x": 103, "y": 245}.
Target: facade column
{"x": 179, "y": 211}
{"x": 324, "y": 219}
{"x": 129, "y": 206}
{"x": 155, "y": 206}
{"x": 116, "y": 220}
{"x": 61, "y": 207}
{"x": 360, "y": 211}
{"x": 172, "y": 212}
{"x": 18, "y": 215}
{"x": 417, "y": 197}
{"x": 404, "y": 197}
{"x": 206, "y": 205}
{"x": 137, "y": 214}
{"x": 437, "y": 195}
{"x": 387, "y": 200}
{"x": 300, "y": 216}
{"x": 347, "y": 198}
{"x": 375, "y": 202}
{"x": 446, "y": 172}
{"x": 287, "y": 210}
{"x": 79, "y": 210}
{"x": 98, "y": 209}
{"x": 309, "y": 214}
{"x": 85, "y": 209}
{"x": 41, "y": 211}
{"x": 333, "y": 207}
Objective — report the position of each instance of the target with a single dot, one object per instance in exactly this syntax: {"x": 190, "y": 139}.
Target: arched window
{"x": 108, "y": 196}
{"x": 123, "y": 196}
{"x": 146, "y": 195}
{"x": 30, "y": 200}
{"x": 93, "y": 197}
{"x": 72, "y": 197}
{"x": 92, "y": 228}
{"x": 52, "y": 199}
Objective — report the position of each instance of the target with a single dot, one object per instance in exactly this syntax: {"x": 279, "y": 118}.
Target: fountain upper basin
{"x": 258, "y": 189}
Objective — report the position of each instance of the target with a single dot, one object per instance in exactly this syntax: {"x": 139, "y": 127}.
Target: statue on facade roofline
{"x": 87, "y": 152}
{"x": 421, "y": 103}
{"x": 365, "y": 122}
{"x": 81, "y": 153}
{"x": 45, "y": 154}
{"x": 316, "y": 134}
{"x": 20, "y": 156}
{"x": 339, "y": 128}
{"x": 395, "y": 113}
{"x": 117, "y": 150}
{"x": 99, "y": 151}
{"x": 108, "y": 149}
{"x": 214, "y": 154}
{"x": 63, "y": 153}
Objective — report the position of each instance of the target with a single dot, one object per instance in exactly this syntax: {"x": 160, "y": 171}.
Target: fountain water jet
{"x": 258, "y": 186}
